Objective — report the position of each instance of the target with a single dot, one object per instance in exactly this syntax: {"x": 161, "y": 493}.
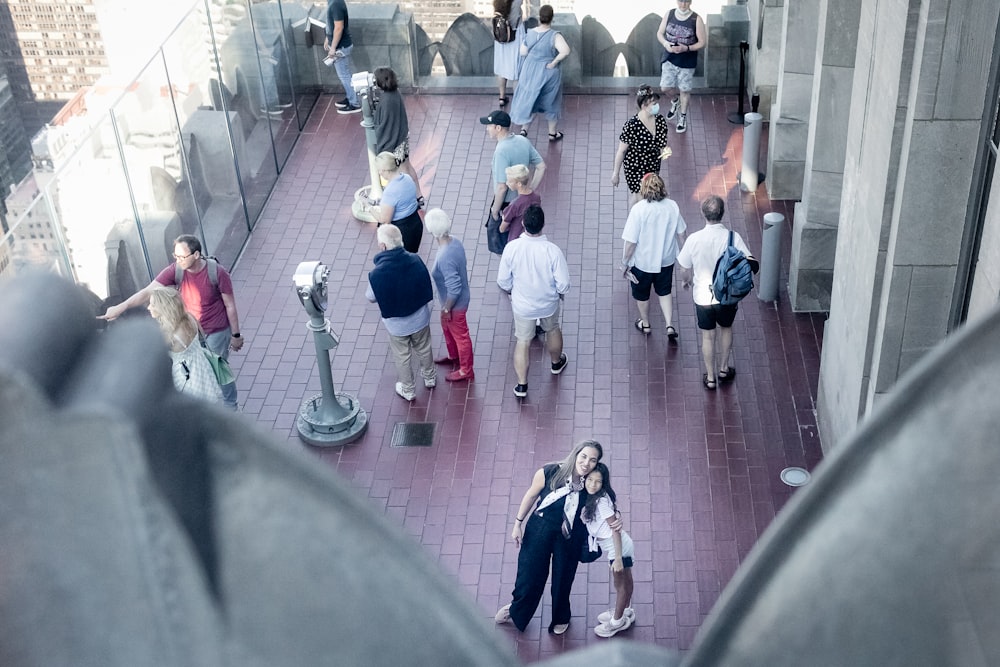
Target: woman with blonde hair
{"x": 653, "y": 234}
{"x": 399, "y": 204}
{"x": 192, "y": 373}
{"x": 518, "y": 180}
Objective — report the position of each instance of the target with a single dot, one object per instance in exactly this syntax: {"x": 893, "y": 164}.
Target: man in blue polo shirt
{"x": 511, "y": 149}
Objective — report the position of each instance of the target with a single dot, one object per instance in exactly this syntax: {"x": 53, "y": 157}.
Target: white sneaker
{"x": 403, "y": 394}
{"x": 674, "y": 103}
{"x": 610, "y": 629}
{"x": 606, "y": 616}
{"x": 431, "y": 383}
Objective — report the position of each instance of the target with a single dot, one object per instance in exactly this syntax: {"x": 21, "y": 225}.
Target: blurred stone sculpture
{"x": 138, "y": 527}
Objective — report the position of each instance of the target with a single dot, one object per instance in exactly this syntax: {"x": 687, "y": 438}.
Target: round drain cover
{"x": 795, "y": 476}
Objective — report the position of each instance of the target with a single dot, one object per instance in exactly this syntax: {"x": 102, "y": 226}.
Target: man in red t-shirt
{"x": 211, "y": 303}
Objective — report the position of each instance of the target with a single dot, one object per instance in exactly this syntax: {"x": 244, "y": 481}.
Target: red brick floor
{"x": 696, "y": 472}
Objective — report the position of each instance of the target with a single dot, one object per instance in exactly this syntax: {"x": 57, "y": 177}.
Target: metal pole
{"x": 770, "y": 257}
{"x": 749, "y": 176}
{"x": 329, "y": 410}
{"x": 368, "y": 122}
{"x": 367, "y": 198}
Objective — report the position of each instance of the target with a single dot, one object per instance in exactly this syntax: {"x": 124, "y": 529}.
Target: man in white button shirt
{"x": 699, "y": 256}
{"x": 535, "y": 274}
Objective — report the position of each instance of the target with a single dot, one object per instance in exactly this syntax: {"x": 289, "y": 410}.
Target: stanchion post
{"x": 770, "y": 257}
{"x": 737, "y": 118}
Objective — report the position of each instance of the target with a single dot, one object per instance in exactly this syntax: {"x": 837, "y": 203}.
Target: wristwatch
{"x": 236, "y": 335}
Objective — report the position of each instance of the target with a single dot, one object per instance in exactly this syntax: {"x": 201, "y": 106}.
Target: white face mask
{"x": 654, "y": 110}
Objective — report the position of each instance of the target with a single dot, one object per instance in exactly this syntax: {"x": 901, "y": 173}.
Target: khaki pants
{"x": 402, "y": 348}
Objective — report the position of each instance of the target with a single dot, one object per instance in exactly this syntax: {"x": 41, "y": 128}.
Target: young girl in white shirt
{"x": 598, "y": 508}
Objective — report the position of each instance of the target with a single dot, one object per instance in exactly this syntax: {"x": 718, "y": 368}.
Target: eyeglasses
{"x": 176, "y": 256}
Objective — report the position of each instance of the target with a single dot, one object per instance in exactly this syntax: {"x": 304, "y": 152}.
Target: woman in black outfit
{"x": 392, "y": 129}
{"x": 548, "y": 529}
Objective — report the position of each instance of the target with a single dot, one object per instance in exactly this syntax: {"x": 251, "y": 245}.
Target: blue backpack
{"x": 733, "y": 277}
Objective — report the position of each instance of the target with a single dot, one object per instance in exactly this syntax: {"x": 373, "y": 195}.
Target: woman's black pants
{"x": 543, "y": 542}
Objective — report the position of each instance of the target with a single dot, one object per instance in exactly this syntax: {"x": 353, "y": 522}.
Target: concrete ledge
{"x": 475, "y": 85}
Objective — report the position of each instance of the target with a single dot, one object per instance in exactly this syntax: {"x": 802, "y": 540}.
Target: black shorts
{"x": 709, "y": 316}
{"x": 663, "y": 282}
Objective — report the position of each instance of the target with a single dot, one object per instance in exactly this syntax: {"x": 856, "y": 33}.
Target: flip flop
{"x": 555, "y": 137}
{"x": 643, "y": 326}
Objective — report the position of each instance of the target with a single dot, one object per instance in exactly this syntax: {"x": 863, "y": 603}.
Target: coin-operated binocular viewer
{"x": 367, "y": 198}
{"x": 327, "y": 419}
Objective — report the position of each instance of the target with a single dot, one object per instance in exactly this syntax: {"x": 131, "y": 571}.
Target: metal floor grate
{"x": 414, "y": 434}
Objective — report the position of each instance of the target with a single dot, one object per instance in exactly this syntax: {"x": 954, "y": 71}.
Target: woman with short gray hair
{"x": 451, "y": 278}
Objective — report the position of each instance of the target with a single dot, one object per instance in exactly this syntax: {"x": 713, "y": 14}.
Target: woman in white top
{"x": 653, "y": 234}
{"x": 191, "y": 370}
{"x": 507, "y": 55}
{"x": 599, "y": 508}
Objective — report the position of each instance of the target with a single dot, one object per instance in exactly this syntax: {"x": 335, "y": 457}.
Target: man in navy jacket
{"x": 401, "y": 286}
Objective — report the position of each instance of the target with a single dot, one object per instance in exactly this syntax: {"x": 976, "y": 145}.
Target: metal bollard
{"x": 752, "y": 125}
{"x": 770, "y": 257}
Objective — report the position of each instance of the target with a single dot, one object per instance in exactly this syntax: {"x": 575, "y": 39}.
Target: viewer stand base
{"x": 362, "y": 208}
{"x": 318, "y": 429}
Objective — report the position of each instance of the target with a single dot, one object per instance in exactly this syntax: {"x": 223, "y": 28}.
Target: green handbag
{"x": 223, "y": 373}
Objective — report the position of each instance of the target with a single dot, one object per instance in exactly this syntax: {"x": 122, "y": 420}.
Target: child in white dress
{"x": 598, "y": 508}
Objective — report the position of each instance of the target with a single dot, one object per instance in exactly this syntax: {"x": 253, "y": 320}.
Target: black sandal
{"x": 643, "y": 326}
{"x": 709, "y": 384}
{"x": 555, "y": 137}
{"x": 671, "y": 332}
{"x": 503, "y": 100}
{"x": 727, "y": 375}
{"x": 523, "y": 132}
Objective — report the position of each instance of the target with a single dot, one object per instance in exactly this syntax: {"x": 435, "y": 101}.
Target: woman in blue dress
{"x": 539, "y": 87}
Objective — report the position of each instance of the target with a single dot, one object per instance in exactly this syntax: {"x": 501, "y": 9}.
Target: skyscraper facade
{"x": 50, "y": 49}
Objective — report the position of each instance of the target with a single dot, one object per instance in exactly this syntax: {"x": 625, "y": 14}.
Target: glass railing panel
{"x": 207, "y": 195}
{"x": 33, "y": 242}
{"x": 243, "y": 87}
{"x": 273, "y": 36}
{"x": 90, "y": 208}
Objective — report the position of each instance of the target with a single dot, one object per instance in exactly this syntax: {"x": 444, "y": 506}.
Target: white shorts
{"x": 672, "y": 76}
{"x": 608, "y": 547}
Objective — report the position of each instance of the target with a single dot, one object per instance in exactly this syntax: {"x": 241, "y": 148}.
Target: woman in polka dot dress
{"x": 642, "y": 143}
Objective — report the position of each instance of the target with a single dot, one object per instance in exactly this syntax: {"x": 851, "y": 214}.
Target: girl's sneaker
{"x": 605, "y": 616}
{"x": 610, "y": 629}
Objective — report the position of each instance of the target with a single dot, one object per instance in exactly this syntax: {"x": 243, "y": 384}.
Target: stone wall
{"x": 386, "y": 35}
{"x": 914, "y": 134}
